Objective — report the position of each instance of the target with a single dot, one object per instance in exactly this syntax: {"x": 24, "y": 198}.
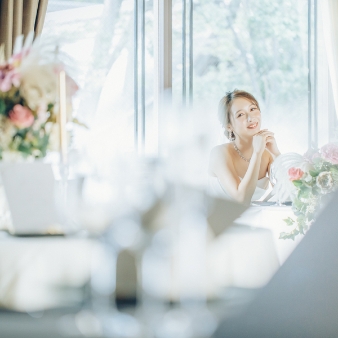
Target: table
{"x": 46, "y": 272}
{"x": 39, "y": 272}
{"x": 249, "y": 253}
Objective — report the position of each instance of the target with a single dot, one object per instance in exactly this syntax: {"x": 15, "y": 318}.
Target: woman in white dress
{"x": 239, "y": 169}
{"x": 245, "y": 255}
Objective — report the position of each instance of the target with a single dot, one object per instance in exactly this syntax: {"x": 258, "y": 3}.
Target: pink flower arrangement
{"x": 329, "y": 152}
{"x": 310, "y": 187}
{"x": 28, "y": 93}
{"x": 21, "y": 117}
{"x": 17, "y": 58}
{"x": 295, "y": 174}
{"x": 8, "y": 77}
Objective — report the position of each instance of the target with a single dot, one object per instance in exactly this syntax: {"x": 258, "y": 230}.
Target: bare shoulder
{"x": 219, "y": 156}
{"x": 221, "y": 150}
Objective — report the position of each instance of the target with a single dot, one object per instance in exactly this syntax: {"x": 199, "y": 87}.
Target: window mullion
{"x": 163, "y": 60}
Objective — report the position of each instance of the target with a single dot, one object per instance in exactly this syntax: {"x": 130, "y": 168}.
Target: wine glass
{"x": 178, "y": 251}
{"x": 100, "y": 205}
{"x": 276, "y": 185}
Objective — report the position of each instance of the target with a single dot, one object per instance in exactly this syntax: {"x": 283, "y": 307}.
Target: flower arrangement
{"x": 312, "y": 184}
{"x": 28, "y": 102}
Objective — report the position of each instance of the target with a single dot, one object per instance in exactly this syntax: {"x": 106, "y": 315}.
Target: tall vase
{"x": 5, "y": 214}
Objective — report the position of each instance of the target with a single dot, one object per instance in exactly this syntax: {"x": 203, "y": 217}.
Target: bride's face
{"x": 245, "y": 117}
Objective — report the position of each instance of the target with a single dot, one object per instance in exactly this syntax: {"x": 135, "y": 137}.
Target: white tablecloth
{"x": 248, "y": 255}
{"x": 35, "y": 272}
{"x": 272, "y": 218}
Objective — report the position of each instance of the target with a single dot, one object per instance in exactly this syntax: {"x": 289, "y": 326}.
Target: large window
{"x": 108, "y": 46}
{"x": 257, "y": 45}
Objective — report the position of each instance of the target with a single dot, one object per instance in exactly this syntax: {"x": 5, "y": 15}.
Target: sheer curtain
{"x": 330, "y": 22}
{"x": 20, "y": 17}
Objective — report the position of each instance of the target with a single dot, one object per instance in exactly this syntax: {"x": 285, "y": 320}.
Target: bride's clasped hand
{"x": 265, "y": 139}
{"x": 239, "y": 169}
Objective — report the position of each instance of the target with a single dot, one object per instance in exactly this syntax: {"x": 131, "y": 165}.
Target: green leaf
{"x": 296, "y": 211}
{"x": 304, "y": 192}
{"x": 297, "y": 204}
{"x": 301, "y": 220}
{"x": 289, "y": 221}
{"x": 314, "y": 173}
{"x": 50, "y": 107}
{"x": 25, "y": 148}
{"x": 76, "y": 121}
{"x": 297, "y": 183}
{"x": 2, "y": 107}
{"x": 318, "y": 163}
{"x": 334, "y": 168}
{"x": 334, "y": 172}
{"x": 284, "y": 235}
{"x": 290, "y": 235}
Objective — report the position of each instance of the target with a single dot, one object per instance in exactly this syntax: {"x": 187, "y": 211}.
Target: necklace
{"x": 240, "y": 154}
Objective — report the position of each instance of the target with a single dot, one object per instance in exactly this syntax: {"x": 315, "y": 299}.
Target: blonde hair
{"x": 225, "y": 104}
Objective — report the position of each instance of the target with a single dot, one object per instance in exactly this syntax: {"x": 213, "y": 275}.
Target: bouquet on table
{"x": 312, "y": 181}
{"x": 28, "y": 101}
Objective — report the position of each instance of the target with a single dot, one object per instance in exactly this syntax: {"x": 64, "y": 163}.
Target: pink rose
{"x": 21, "y": 117}
{"x": 330, "y": 152}
{"x": 295, "y": 174}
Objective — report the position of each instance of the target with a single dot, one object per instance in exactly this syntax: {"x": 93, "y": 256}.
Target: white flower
{"x": 307, "y": 177}
{"x": 42, "y": 116}
{"x": 325, "y": 181}
{"x": 38, "y": 84}
{"x": 7, "y": 131}
{"x": 310, "y": 209}
{"x": 54, "y": 138}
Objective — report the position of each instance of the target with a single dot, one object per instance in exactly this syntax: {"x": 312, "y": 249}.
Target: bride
{"x": 238, "y": 170}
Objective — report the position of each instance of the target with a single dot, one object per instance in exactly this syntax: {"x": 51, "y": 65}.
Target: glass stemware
{"x": 274, "y": 182}
{"x": 111, "y": 209}
{"x": 98, "y": 207}
{"x": 175, "y": 300}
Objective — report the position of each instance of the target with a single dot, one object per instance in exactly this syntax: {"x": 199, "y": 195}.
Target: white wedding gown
{"x": 245, "y": 255}
{"x": 215, "y": 188}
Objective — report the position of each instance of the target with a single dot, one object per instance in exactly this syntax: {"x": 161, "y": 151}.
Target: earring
{"x": 231, "y": 136}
